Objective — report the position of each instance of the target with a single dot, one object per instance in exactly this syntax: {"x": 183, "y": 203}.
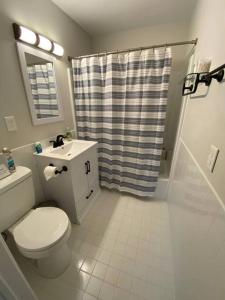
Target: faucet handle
{"x": 54, "y": 143}
{"x": 59, "y": 140}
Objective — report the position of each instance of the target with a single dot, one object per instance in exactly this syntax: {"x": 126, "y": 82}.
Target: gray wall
{"x": 44, "y": 17}
{"x": 151, "y": 35}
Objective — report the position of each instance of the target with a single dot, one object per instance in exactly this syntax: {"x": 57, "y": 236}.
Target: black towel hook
{"x": 192, "y": 80}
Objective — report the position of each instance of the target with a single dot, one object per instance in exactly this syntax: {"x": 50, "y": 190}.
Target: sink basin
{"x": 68, "y": 151}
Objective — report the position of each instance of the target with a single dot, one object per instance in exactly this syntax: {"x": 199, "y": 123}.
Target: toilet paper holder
{"x": 64, "y": 169}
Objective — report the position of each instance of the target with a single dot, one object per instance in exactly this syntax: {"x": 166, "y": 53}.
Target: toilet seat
{"x": 41, "y": 229}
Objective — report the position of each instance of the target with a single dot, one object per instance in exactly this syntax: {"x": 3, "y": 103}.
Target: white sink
{"x": 68, "y": 151}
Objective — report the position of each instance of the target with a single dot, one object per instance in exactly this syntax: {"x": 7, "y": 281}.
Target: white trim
{"x": 13, "y": 284}
{"x": 180, "y": 127}
{"x": 204, "y": 175}
{"x": 22, "y": 49}
{"x": 44, "y": 142}
{"x": 71, "y": 99}
{"x": 6, "y": 290}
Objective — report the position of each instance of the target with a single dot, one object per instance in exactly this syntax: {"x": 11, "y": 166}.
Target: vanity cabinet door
{"x": 85, "y": 173}
{"x": 92, "y": 167}
{"x": 85, "y": 179}
{"x": 80, "y": 179}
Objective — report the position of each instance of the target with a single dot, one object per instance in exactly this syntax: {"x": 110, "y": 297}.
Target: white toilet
{"x": 40, "y": 234}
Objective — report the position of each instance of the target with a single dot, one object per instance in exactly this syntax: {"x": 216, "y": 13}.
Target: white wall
{"x": 151, "y": 35}
{"x": 196, "y": 196}
{"x": 44, "y": 17}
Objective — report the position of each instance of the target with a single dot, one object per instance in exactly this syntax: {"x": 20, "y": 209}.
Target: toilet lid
{"x": 42, "y": 228}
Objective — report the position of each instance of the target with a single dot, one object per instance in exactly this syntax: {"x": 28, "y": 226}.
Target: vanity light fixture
{"x": 24, "y": 34}
{"x": 44, "y": 43}
{"x": 28, "y": 36}
{"x": 57, "y": 49}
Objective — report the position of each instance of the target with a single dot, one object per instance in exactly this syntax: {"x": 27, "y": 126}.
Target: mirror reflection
{"x": 43, "y": 86}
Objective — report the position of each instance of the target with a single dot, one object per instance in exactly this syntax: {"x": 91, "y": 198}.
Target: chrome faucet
{"x": 58, "y": 142}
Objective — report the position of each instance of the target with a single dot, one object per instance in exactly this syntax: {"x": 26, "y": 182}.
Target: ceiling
{"x": 106, "y": 16}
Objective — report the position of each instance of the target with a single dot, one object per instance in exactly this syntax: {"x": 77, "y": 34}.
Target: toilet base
{"x": 54, "y": 265}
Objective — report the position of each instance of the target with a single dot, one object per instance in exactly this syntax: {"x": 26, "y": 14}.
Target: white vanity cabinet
{"x": 75, "y": 189}
{"x": 85, "y": 178}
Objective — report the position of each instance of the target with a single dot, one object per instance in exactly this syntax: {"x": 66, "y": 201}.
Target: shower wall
{"x": 146, "y": 36}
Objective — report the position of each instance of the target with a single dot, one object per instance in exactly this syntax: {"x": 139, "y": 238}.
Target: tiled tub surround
{"x": 121, "y": 251}
{"x": 198, "y": 232}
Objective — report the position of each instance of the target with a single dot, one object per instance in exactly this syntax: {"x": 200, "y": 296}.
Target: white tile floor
{"x": 121, "y": 251}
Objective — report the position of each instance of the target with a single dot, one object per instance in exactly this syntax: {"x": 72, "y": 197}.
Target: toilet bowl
{"x": 42, "y": 235}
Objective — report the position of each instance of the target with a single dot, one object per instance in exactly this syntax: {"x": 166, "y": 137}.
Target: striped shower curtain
{"x": 43, "y": 89}
{"x": 120, "y": 101}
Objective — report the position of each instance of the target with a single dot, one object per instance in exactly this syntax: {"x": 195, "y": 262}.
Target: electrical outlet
{"x": 11, "y": 123}
{"x": 212, "y": 157}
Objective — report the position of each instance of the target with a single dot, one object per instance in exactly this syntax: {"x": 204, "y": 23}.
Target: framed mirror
{"x": 40, "y": 81}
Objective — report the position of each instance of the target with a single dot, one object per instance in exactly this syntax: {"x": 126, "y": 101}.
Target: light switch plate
{"x": 212, "y": 157}
{"x": 11, "y": 123}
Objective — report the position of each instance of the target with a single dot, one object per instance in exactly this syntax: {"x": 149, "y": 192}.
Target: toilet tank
{"x": 16, "y": 196}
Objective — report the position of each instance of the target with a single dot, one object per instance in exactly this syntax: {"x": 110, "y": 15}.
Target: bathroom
{"x": 68, "y": 231}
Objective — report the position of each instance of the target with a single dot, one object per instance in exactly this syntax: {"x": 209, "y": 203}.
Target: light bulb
{"x": 27, "y": 35}
{"x": 44, "y": 43}
{"x": 57, "y": 49}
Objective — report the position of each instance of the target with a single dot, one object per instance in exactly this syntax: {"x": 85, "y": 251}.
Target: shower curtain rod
{"x": 194, "y": 42}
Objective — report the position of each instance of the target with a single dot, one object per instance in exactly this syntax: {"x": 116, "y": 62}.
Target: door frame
{"x": 13, "y": 284}
{"x": 180, "y": 125}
